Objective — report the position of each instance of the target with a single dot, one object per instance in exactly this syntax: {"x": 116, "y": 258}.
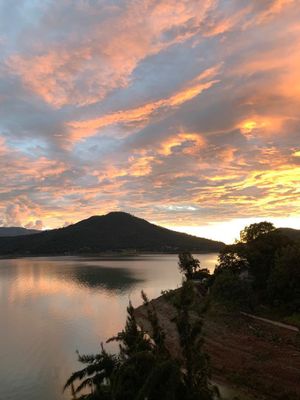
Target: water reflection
{"x": 112, "y": 279}
{"x": 50, "y": 307}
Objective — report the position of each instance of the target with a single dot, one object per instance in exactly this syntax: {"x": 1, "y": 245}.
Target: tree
{"x": 261, "y": 255}
{"x": 96, "y": 376}
{"x": 232, "y": 258}
{"x": 254, "y": 231}
{"x": 255, "y": 255}
{"x": 195, "y": 365}
{"x": 284, "y": 280}
{"x": 231, "y": 291}
{"x": 144, "y": 368}
{"x": 190, "y": 267}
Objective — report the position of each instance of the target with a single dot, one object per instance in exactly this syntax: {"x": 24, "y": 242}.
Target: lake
{"x": 52, "y": 306}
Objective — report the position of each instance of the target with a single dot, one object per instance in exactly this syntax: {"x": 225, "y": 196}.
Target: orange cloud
{"x": 86, "y": 128}
{"x": 193, "y": 141}
{"x": 107, "y": 57}
{"x": 276, "y": 7}
{"x": 260, "y": 124}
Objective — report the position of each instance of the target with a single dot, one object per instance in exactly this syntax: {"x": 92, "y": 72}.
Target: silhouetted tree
{"x": 254, "y": 256}
{"x": 195, "y": 365}
{"x": 233, "y": 292}
{"x": 284, "y": 280}
{"x": 254, "y": 231}
{"x": 144, "y": 369}
{"x": 190, "y": 267}
{"x": 232, "y": 258}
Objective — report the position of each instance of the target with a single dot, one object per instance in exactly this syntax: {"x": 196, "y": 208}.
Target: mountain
{"x": 115, "y": 231}
{"x": 16, "y": 231}
{"x": 293, "y": 234}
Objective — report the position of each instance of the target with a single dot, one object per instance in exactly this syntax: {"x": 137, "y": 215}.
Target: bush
{"x": 231, "y": 291}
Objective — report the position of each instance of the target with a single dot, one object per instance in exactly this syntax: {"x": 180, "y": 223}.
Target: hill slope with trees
{"x": 115, "y": 231}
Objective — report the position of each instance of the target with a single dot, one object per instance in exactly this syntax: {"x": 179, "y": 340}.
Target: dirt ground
{"x": 259, "y": 360}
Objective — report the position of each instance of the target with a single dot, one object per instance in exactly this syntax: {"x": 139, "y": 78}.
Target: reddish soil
{"x": 253, "y": 356}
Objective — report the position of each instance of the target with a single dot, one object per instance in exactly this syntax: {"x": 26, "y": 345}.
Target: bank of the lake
{"x": 249, "y": 358}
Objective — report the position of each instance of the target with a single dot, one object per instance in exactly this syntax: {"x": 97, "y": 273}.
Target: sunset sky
{"x": 186, "y": 113}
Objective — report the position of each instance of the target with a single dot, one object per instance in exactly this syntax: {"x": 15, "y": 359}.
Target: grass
{"x": 293, "y": 319}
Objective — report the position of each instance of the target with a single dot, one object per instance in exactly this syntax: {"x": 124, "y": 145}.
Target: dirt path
{"x": 270, "y": 321}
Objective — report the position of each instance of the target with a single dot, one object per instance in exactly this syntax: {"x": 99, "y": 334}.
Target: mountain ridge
{"x": 115, "y": 231}
{"x": 12, "y": 231}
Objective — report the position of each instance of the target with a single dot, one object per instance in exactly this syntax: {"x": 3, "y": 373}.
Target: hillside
{"x": 112, "y": 232}
{"x": 16, "y": 231}
{"x": 293, "y": 234}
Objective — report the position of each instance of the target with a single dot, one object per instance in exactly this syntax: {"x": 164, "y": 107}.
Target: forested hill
{"x": 112, "y": 232}
{"x": 293, "y": 234}
{"x": 16, "y": 231}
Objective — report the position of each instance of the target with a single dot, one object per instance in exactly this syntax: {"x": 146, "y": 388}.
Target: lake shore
{"x": 250, "y": 358}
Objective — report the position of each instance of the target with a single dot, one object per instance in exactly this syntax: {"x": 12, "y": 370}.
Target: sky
{"x": 185, "y": 113}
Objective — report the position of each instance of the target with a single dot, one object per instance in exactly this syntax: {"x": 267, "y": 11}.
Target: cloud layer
{"x": 183, "y": 112}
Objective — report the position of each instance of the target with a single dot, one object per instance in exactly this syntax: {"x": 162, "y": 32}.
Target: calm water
{"x": 51, "y": 307}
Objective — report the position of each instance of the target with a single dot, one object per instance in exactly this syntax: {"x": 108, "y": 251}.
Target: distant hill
{"x": 115, "y": 231}
{"x": 293, "y": 234}
{"x": 16, "y": 231}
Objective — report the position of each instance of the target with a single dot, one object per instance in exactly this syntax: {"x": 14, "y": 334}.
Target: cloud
{"x": 38, "y": 224}
{"x": 185, "y": 113}
{"x": 106, "y": 55}
{"x": 85, "y": 128}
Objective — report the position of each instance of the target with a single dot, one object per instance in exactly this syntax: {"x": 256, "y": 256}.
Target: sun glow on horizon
{"x": 229, "y": 231}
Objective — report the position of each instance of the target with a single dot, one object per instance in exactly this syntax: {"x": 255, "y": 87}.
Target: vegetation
{"x": 254, "y": 231}
{"x": 144, "y": 368}
{"x": 190, "y": 267}
{"x": 232, "y": 292}
{"x": 262, "y": 268}
{"x": 284, "y": 280}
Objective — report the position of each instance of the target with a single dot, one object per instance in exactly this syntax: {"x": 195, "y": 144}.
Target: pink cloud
{"x": 106, "y": 59}
{"x": 86, "y": 128}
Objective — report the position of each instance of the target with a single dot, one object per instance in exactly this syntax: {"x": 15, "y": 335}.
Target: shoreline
{"x": 101, "y": 254}
{"x": 244, "y": 353}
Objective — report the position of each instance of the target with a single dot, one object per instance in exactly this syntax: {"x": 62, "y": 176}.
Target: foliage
{"x": 263, "y": 264}
{"x": 261, "y": 254}
{"x": 232, "y": 291}
{"x": 254, "y": 231}
{"x": 232, "y": 258}
{"x": 190, "y": 267}
{"x": 284, "y": 280}
{"x": 144, "y": 369}
{"x": 195, "y": 362}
